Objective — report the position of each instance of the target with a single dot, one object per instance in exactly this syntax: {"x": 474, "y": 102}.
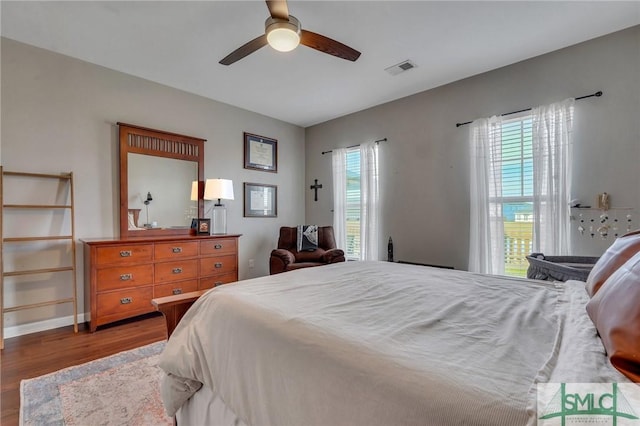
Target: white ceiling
{"x": 180, "y": 43}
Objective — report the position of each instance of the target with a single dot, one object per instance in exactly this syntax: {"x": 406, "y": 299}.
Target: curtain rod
{"x": 353, "y": 146}
{"x": 597, "y": 94}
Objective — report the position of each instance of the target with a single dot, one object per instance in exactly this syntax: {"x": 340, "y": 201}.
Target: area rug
{"x": 122, "y": 389}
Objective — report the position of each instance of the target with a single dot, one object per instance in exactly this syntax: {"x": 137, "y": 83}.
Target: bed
{"x": 379, "y": 343}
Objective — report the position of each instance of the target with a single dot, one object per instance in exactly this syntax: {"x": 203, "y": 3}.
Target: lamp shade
{"x": 283, "y": 39}
{"x": 194, "y": 190}
{"x": 283, "y": 35}
{"x": 218, "y": 189}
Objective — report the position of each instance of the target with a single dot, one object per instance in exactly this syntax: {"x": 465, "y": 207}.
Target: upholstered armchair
{"x": 287, "y": 258}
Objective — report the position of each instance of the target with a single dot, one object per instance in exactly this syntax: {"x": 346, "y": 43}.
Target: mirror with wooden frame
{"x": 157, "y": 169}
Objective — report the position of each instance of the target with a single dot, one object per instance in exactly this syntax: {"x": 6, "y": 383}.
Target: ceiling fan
{"x": 283, "y": 32}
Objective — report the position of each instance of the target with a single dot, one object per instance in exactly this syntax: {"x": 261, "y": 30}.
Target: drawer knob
{"x": 177, "y": 270}
{"x": 218, "y": 265}
{"x": 217, "y": 246}
{"x": 126, "y": 277}
{"x": 177, "y": 249}
{"x": 126, "y": 300}
{"x": 177, "y": 291}
{"x": 125, "y": 253}
{"x": 217, "y": 283}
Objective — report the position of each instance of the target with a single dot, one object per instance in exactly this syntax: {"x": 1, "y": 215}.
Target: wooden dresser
{"x": 125, "y": 274}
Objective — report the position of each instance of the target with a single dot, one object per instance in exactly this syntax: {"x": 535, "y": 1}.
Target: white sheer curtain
{"x": 339, "y": 164}
{"x": 552, "y": 125}
{"x": 369, "y": 201}
{"x": 551, "y": 164}
{"x": 486, "y": 238}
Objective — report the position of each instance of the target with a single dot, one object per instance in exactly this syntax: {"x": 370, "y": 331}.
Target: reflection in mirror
{"x": 157, "y": 169}
{"x": 168, "y": 180}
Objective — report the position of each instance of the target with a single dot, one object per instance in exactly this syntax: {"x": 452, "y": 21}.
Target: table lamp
{"x": 218, "y": 189}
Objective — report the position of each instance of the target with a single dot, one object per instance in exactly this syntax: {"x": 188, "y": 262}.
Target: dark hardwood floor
{"x": 36, "y": 354}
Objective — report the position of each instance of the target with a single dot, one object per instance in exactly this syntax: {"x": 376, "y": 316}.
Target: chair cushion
{"x": 615, "y": 311}
{"x": 309, "y": 256}
{"x": 616, "y": 255}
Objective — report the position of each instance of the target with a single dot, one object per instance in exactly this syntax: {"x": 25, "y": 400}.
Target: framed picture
{"x": 203, "y": 226}
{"x": 260, "y": 200}
{"x": 260, "y": 153}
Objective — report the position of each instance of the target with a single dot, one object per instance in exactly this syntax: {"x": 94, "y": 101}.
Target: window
{"x": 520, "y": 188}
{"x": 352, "y": 210}
{"x": 517, "y": 194}
{"x": 356, "y": 201}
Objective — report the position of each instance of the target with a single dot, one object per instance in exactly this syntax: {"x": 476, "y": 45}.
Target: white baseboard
{"x": 34, "y": 327}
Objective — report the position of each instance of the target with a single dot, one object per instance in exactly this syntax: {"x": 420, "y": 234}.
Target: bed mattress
{"x": 378, "y": 343}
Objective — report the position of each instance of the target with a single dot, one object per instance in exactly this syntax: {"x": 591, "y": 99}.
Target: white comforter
{"x": 377, "y": 343}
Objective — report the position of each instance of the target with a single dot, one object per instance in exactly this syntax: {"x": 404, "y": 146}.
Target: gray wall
{"x": 60, "y": 114}
{"x": 424, "y": 165}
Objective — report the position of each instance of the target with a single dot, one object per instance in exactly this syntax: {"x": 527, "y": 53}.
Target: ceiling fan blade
{"x": 327, "y": 45}
{"x": 245, "y": 50}
{"x": 278, "y": 9}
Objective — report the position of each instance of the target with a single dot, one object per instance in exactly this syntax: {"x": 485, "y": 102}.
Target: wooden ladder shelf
{"x": 63, "y": 177}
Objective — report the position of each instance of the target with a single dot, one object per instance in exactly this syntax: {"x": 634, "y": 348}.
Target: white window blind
{"x": 517, "y": 159}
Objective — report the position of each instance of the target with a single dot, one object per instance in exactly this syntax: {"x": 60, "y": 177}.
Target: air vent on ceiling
{"x": 401, "y": 67}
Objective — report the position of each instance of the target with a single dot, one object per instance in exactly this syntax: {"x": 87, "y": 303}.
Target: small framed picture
{"x": 260, "y": 153}
{"x": 260, "y": 200}
{"x": 203, "y": 226}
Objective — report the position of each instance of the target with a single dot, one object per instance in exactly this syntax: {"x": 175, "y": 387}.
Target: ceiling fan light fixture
{"x": 283, "y": 35}
{"x": 283, "y": 32}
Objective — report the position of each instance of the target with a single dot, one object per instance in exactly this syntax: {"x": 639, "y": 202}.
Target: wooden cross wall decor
{"x": 315, "y": 187}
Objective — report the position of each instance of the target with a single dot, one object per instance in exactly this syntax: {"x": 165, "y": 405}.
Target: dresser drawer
{"x": 125, "y": 302}
{"x": 219, "y": 246}
{"x": 217, "y": 280}
{"x": 171, "y": 289}
{"x": 124, "y": 277}
{"x": 124, "y": 254}
{"x": 218, "y": 265}
{"x": 176, "y": 250}
{"x": 176, "y": 271}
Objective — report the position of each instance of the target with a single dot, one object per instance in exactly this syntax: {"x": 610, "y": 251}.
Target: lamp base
{"x": 219, "y": 217}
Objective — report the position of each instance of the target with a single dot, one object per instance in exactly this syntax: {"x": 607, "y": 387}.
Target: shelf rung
{"x": 37, "y": 206}
{"x": 38, "y": 271}
{"x": 38, "y": 305}
{"x": 23, "y": 239}
{"x": 39, "y": 175}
